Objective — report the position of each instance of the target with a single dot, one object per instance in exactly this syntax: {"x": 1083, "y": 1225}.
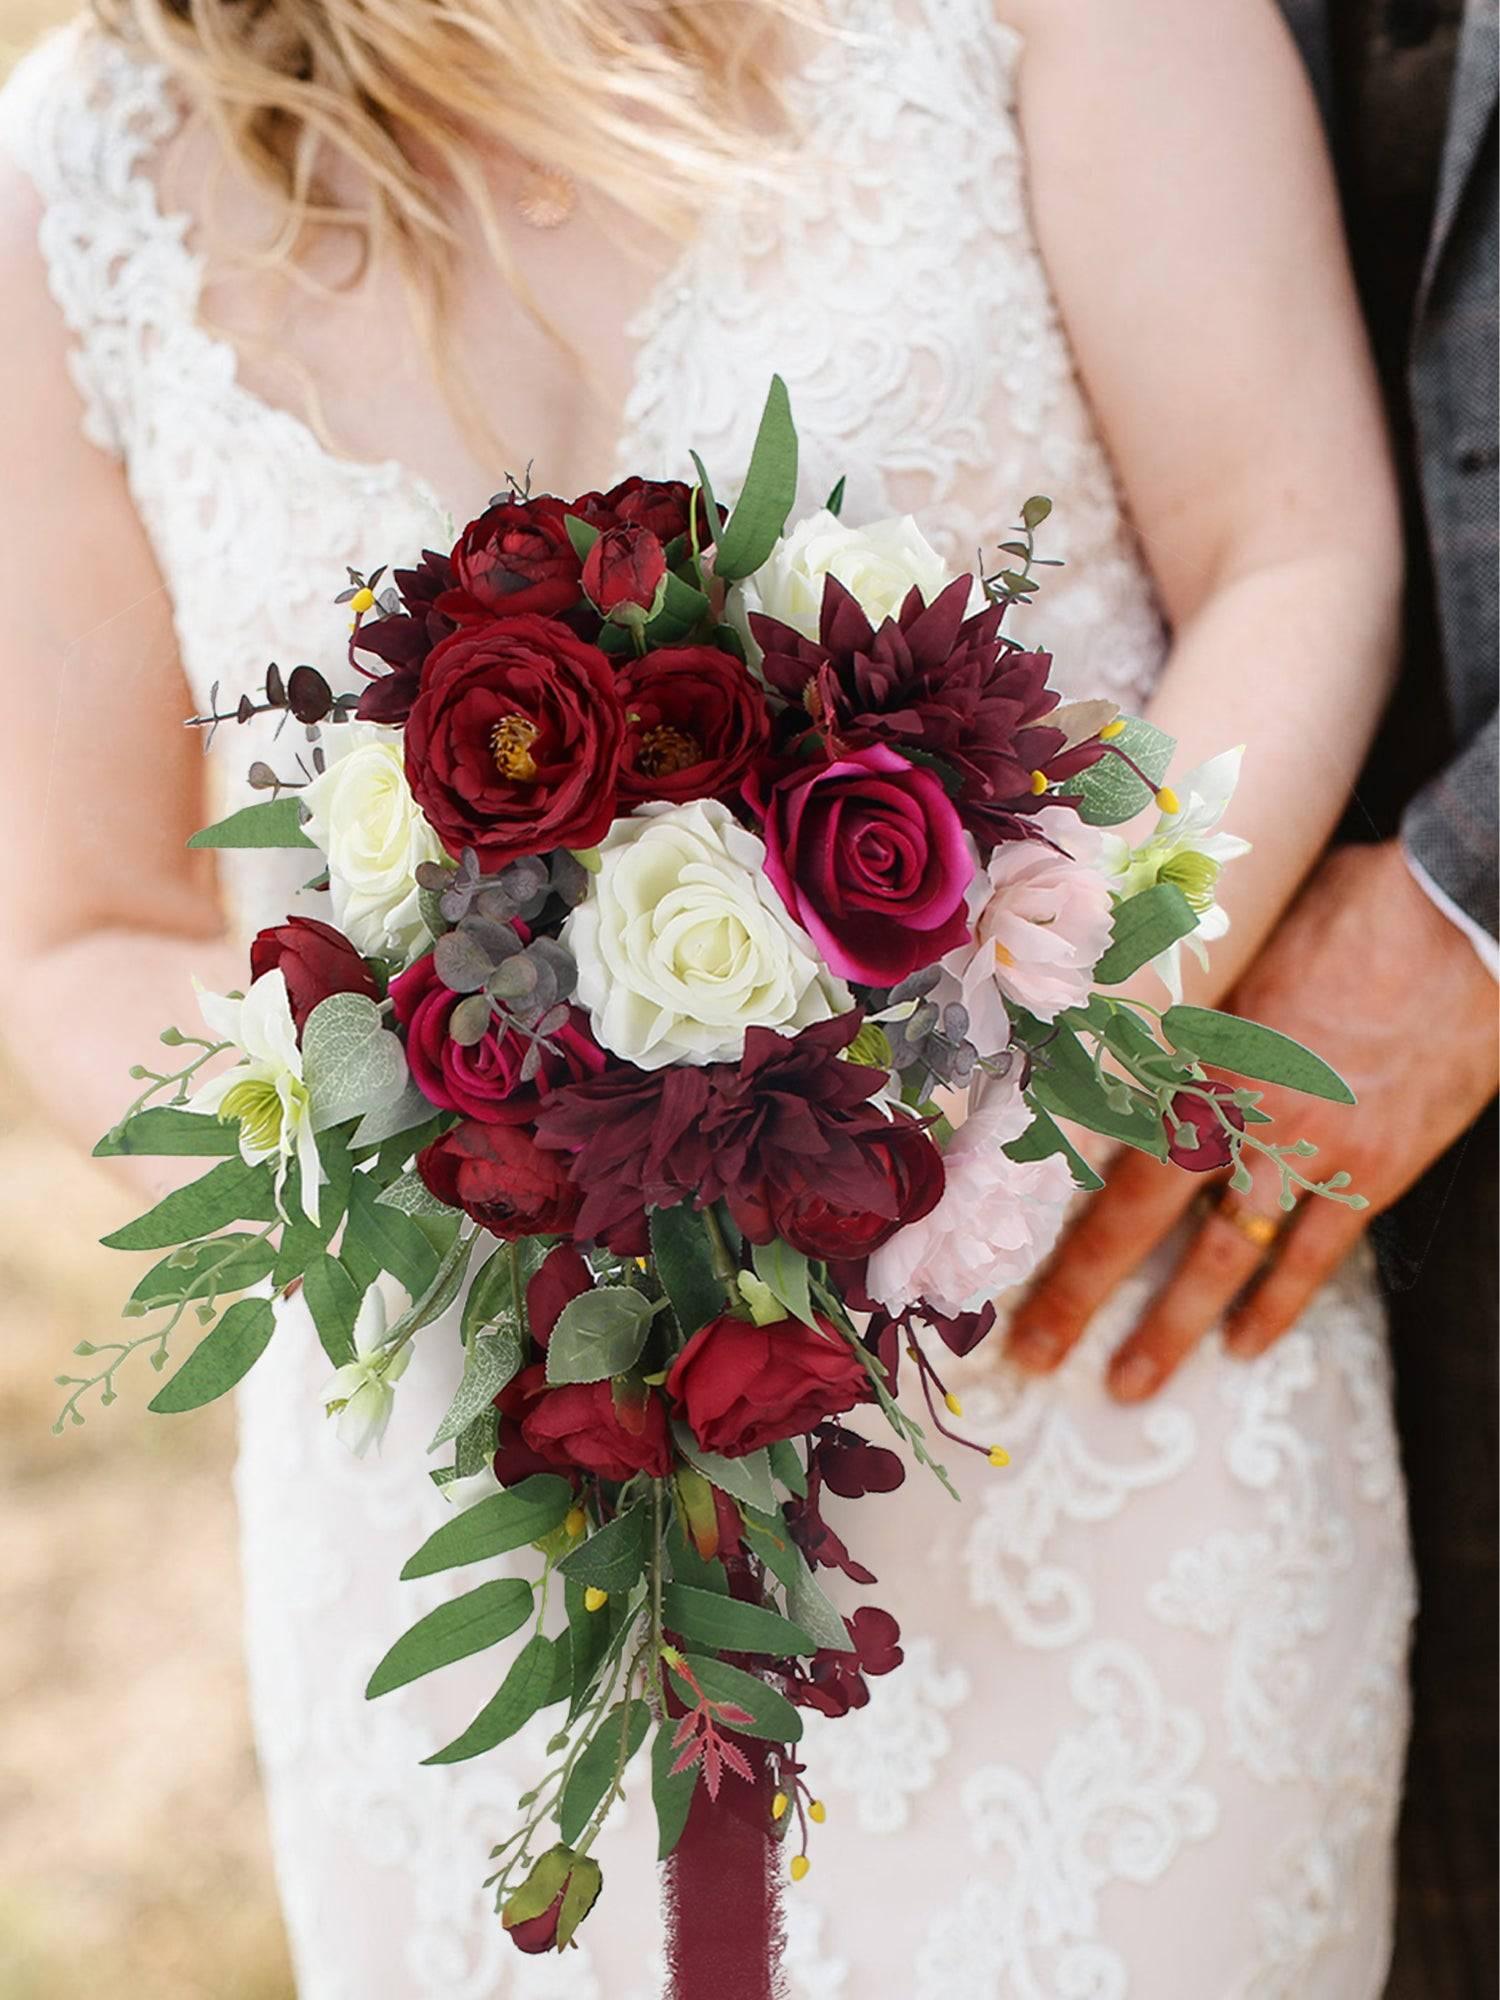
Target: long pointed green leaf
{"x": 1252, "y": 1050}
{"x": 226, "y": 1353}
{"x": 505, "y": 1521}
{"x": 232, "y": 1192}
{"x": 272, "y": 823}
{"x": 526, "y": 1688}
{"x": 469, "y": 1624}
{"x": 768, "y": 494}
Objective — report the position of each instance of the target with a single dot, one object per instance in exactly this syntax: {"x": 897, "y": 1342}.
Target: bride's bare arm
{"x": 1190, "y": 224}
{"x": 106, "y": 913}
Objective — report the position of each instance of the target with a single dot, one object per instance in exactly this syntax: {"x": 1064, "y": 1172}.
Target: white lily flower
{"x": 1187, "y": 850}
{"x": 361, "y": 1393}
{"x": 265, "y": 1092}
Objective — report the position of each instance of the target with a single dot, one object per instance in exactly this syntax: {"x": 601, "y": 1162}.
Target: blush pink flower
{"x": 996, "y": 1221}
{"x": 1042, "y": 917}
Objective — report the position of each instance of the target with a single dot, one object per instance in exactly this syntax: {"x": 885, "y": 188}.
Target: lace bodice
{"x": 1153, "y": 1671}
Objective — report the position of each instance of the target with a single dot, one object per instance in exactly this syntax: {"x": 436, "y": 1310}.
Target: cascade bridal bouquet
{"x": 722, "y": 923}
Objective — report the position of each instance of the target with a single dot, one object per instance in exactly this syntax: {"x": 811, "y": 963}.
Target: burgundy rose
{"x": 1206, "y": 1146}
{"x": 515, "y": 560}
{"x": 695, "y": 725}
{"x": 483, "y": 1080}
{"x": 662, "y": 505}
{"x": 501, "y": 1179}
{"x": 513, "y": 743}
{"x": 913, "y": 1171}
{"x": 741, "y": 1386}
{"x": 624, "y": 569}
{"x": 314, "y": 959}
{"x": 868, "y": 853}
{"x": 591, "y": 1426}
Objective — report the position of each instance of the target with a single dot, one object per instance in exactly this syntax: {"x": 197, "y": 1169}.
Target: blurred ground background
{"x": 133, "y": 1856}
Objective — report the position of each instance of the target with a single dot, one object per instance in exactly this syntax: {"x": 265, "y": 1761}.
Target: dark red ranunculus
{"x": 913, "y": 1170}
{"x": 501, "y": 1179}
{"x": 515, "y": 560}
{"x": 483, "y": 1080}
{"x": 662, "y": 505}
{"x": 868, "y": 853}
{"x": 1208, "y": 1149}
{"x": 513, "y": 743}
{"x": 696, "y": 724}
{"x": 582, "y": 1425}
{"x": 624, "y": 567}
{"x": 741, "y": 1386}
{"x": 314, "y": 959}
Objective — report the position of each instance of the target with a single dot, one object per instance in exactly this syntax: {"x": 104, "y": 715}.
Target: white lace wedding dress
{"x": 1148, "y": 1736}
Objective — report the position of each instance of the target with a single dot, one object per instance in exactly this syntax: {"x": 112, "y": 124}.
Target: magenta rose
{"x": 869, "y": 854}
{"x": 483, "y": 1081}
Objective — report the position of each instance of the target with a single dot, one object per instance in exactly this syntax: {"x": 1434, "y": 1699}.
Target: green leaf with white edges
{"x": 412, "y": 1196}
{"x": 494, "y": 1361}
{"x": 1109, "y": 792}
{"x": 599, "y": 1334}
{"x": 454, "y": 1631}
{"x": 351, "y": 1062}
{"x": 1251, "y": 1050}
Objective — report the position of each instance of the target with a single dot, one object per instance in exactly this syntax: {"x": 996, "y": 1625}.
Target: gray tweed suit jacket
{"x": 1450, "y": 826}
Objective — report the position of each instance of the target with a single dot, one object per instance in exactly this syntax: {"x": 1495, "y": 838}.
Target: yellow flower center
{"x": 665, "y": 750}
{"x": 255, "y": 1104}
{"x": 510, "y": 744}
{"x": 1194, "y": 874}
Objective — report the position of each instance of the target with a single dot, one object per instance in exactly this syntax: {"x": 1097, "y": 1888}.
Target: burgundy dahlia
{"x": 403, "y": 639}
{"x": 933, "y": 679}
{"x": 630, "y": 1140}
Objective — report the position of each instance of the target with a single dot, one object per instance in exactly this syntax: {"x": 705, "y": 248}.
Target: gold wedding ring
{"x": 1262, "y": 1230}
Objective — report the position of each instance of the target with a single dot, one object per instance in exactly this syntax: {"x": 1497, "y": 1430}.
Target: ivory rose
{"x": 363, "y": 816}
{"x": 878, "y": 565}
{"x": 682, "y": 943}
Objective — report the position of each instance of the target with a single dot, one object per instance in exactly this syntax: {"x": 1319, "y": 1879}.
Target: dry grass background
{"x": 133, "y": 1856}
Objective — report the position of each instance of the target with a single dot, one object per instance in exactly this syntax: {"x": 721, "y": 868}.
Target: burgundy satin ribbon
{"x": 724, "y": 1932}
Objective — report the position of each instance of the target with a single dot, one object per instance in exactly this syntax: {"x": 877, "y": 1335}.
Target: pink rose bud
{"x": 1204, "y": 1148}
{"x": 624, "y": 570}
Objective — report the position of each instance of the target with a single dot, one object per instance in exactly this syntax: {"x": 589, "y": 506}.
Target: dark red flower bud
{"x": 553, "y": 1901}
{"x": 501, "y": 1179}
{"x": 314, "y": 959}
{"x": 1205, "y": 1147}
{"x": 624, "y": 568}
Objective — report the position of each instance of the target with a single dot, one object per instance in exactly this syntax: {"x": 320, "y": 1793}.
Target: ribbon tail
{"x": 724, "y": 1926}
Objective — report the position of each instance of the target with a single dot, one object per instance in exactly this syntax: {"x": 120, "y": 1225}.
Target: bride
{"x": 287, "y": 283}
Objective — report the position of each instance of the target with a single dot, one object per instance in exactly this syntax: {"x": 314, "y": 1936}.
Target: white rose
{"x": 877, "y": 565}
{"x": 682, "y": 944}
{"x": 363, "y": 816}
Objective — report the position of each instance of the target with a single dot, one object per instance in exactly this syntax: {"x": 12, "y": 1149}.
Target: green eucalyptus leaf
{"x": 230, "y": 1192}
{"x": 227, "y": 1352}
{"x": 1251, "y": 1050}
{"x": 526, "y": 1688}
{"x": 768, "y": 494}
{"x": 271, "y": 823}
{"x": 1109, "y": 792}
{"x": 1145, "y": 925}
{"x": 671, "y": 1792}
{"x": 685, "y": 1265}
{"x": 623, "y": 1730}
{"x": 469, "y": 1624}
{"x": 506, "y": 1521}
{"x": 703, "y": 1618}
{"x": 351, "y": 1061}
{"x": 168, "y": 1130}
{"x": 412, "y": 1196}
{"x": 613, "y": 1558}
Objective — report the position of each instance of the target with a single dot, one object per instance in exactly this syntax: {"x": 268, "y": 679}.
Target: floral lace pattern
{"x": 1156, "y": 1667}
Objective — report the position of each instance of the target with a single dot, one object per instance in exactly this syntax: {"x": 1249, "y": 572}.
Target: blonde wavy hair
{"x": 660, "y": 103}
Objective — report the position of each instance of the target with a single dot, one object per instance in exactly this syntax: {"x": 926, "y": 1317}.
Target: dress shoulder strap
{"x": 83, "y": 115}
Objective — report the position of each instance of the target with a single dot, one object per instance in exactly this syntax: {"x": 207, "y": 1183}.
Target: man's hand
{"x": 1368, "y": 972}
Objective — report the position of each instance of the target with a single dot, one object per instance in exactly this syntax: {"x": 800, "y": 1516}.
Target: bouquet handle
{"x": 724, "y": 1929}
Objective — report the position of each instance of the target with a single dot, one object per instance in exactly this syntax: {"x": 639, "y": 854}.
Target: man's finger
{"x": 1224, "y": 1255}
{"x": 1319, "y": 1241}
{"x": 1138, "y": 1205}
